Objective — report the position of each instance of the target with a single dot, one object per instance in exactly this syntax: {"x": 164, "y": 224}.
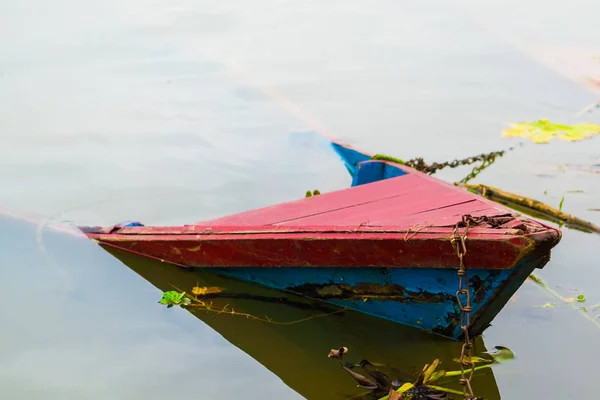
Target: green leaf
{"x": 503, "y": 354}
{"x": 581, "y": 298}
{"x": 542, "y": 131}
{"x": 172, "y": 298}
{"x": 560, "y": 205}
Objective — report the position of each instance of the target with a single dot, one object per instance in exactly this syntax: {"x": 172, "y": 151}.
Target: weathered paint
{"x": 338, "y": 250}
{"x": 373, "y": 171}
{"x": 351, "y": 157}
{"x": 426, "y": 301}
{"x": 385, "y": 240}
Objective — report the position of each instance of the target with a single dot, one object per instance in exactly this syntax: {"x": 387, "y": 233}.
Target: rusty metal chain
{"x": 486, "y": 159}
{"x": 459, "y": 243}
{"x": 419, "y": 164}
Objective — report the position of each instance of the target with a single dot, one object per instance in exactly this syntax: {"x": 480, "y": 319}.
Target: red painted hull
{"x": 399, "y": 222}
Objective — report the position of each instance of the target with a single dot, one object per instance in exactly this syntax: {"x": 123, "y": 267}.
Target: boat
{"x": 386, "y": 246}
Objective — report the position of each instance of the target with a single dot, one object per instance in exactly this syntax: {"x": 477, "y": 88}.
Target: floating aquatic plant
{"x": 422, "y": 387}
{"x": 178, "y": 297}
{"x": 542, "y": 131}
{"x": 173, "y": 298}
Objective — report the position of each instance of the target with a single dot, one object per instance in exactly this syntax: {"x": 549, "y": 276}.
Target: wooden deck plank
{"x": 323, "y": 203}
{"x": 387, "y": 212}
{"x": 408, "y": 189}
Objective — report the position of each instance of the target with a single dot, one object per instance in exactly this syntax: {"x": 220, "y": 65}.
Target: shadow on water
{"x": 297, "y": 352}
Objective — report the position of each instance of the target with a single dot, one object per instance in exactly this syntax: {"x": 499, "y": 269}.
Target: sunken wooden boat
{"x": 383, "y": 247}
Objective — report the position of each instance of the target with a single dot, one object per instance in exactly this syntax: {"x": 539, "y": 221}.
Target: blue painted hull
{"x": 424, "y": 298}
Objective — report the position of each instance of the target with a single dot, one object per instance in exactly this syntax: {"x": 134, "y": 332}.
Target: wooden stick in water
{"x": 498, "y": 195}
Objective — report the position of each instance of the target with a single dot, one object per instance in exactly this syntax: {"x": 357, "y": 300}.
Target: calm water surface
{"x": 169, "y": 112}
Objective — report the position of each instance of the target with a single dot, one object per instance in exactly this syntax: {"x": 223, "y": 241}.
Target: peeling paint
{"x": 329, "y": 290}
{"x": 372, "y": 291}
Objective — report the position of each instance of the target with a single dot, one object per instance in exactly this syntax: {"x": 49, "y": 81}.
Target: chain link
{"x": 419, "y": 164}
{"x": 463, "y": 298}
{"x": 486, "y": 159}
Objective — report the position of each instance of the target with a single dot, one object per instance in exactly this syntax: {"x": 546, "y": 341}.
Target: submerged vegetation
{"x": 193, "y": 303}
{"x": 422, "y": 388}
{"x": 571, "y": 301}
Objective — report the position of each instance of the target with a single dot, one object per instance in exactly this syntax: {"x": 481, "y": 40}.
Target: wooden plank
{"x": 203, "y": 230}
{"x": 447, "y": 215}
{"x": 386, "y": 212}
{"x": 326, "y": 250}
{"x": 365, "y": 195}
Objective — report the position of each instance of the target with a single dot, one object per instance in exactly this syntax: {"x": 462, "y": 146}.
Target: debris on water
{"x": 579, "y": 299}
{"x": 542, "y": 131}
{"x": 549, "y": 305}
{"x": 203, "y": 291}
{"x": 422, "y": 387}
{"x": 381, "y": 378}
{"x": 361, "y": 380}
{"x": 571, "y": 300}
{"x": 502, "y": 354}
{"x": 537, "y": 280}
{"x": 526, "y": 203}
{"x": 339, "y": 353}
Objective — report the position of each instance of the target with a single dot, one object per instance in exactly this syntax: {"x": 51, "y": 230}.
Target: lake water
{"x": 170, "y": 112}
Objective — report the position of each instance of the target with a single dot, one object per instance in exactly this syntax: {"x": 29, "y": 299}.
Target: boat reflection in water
{"x": 297, "y": 352}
